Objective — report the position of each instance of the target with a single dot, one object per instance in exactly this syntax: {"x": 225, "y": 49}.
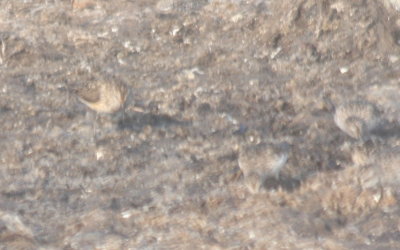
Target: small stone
{"x": 165, "y": 5}
{"x": 344, "y": 70}
{"x": 83, "y": 4}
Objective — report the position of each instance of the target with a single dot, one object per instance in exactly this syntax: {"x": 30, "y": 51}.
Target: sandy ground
{"x": 210, "y": 76}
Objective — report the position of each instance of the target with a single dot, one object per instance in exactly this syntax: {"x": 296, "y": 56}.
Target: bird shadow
{"x": 388, "y": 130}
{"x": 137, "y": 121}
{"x": 285, "y": 182}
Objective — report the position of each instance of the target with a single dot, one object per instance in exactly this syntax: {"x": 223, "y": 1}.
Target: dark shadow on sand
{"x": 285, "y": 182}
{"x": 137, "y": 121}
{"x": 389, "y": 130}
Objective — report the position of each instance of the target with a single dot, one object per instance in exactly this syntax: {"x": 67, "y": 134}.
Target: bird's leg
{"x": 94, "y": 128}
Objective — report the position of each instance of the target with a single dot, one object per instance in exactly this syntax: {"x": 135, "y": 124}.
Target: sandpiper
{"x": 104, "y": 97}
{"x": 357, "y": 118}
{"x": 262, "y": 160}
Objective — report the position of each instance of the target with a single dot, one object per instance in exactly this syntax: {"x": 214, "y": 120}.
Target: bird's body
{"x": 104, "y": 97}
{"x": 261, "y": 160}
{"x": 357, "y": 119}
{"x": 383, "y": 164}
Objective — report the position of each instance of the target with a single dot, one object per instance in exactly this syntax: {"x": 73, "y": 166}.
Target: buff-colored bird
{"x": 104, "y": 97}
{"x": 262, "y": 160}
{"x": 357, "y": 119}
